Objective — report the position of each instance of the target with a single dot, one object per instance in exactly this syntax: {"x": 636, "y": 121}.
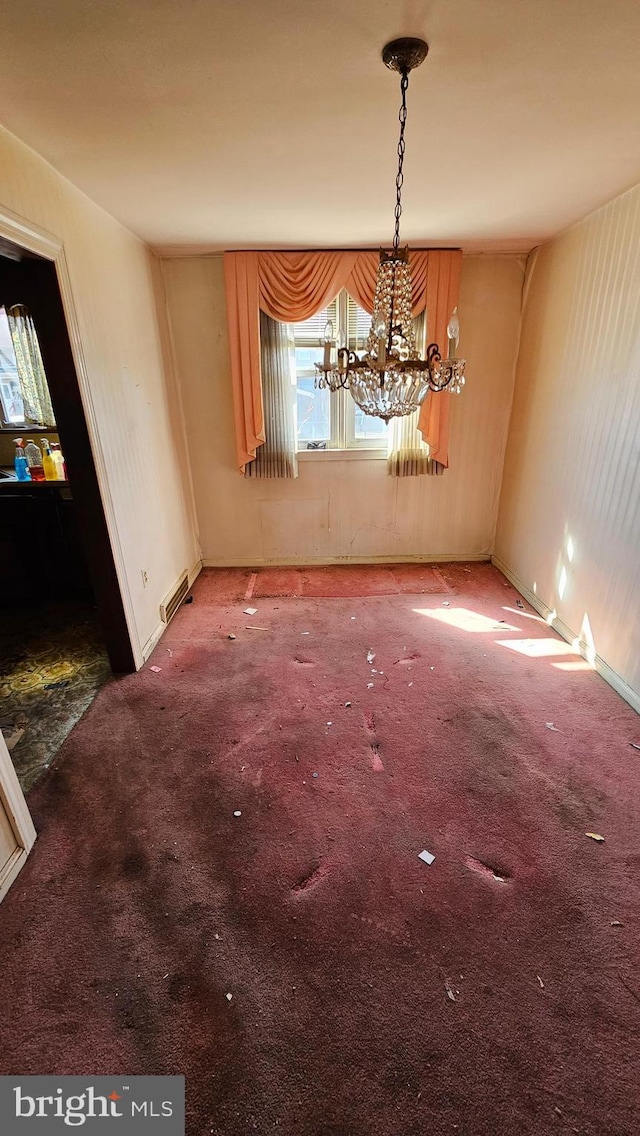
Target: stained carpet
{"x": 298, "y": 962}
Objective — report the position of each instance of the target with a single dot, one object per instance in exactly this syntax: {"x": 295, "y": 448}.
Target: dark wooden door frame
{"x": 34, "y": 283}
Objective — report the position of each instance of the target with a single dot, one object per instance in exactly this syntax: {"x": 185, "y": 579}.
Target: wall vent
{"x": 171, "y": 603}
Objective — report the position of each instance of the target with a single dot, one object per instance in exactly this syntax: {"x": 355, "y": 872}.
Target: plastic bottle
{"x": 56, "y": 454}
{"x": 20, "y": 463}
{"x": 49, "y": 466}
{"x": 34, "y": 456}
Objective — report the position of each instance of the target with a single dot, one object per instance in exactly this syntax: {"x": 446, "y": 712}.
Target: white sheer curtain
{"x": 407, "y": 452}
{"x": 277, "y": 457}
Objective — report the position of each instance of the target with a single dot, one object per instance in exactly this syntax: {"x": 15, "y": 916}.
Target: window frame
{"x": 6, "y": 423}
{"x": 8, "y": 426}
{"x": 342, "y": 414}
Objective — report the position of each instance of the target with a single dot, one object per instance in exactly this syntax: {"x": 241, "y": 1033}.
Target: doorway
{"x": 63, "y": 628}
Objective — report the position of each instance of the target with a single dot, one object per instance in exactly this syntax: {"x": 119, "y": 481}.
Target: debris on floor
{"x": 616, "y": 923}
{"x": 595, "y": 836}
{"x": 232, "y": 636}
{"x": 426, "y": 857}
{"x": 446, "y": 603}
{"x": 250, "y": 627}
{"x": 635, "y": 745}
{"x": 370, "y": 656}
{"x": 249, "y": 610}
{"x": 189, "y": 599}
{"x": 550, "y": 726}
{"x": 228, "y": 997}
{"x": 540, "y": 981}
{"x": 520, "y": 604}
{"x": 451, "y": 990}
{"x": 347, "y": 703}
{"x": 369, "y": 685}
{"x": 156, "y": 669}
{"x": 238, "y": 813}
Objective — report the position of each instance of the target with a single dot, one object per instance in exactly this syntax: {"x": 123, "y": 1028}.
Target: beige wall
{"x": 569, "y": 525}
{"x": 346, "y": 509}
{"x": 131, "y": 404}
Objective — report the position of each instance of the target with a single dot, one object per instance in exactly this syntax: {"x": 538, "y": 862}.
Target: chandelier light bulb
{"x": 453, "y": 328}
{"x": 453, "y": 331}
{"x": 328, "y": 344}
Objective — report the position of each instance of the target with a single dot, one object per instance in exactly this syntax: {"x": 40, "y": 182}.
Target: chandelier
{"x": 390, "y": 379}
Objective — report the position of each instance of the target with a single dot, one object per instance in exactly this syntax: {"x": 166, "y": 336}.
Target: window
{"x": 24, "y": 391}
{"x": 11, "y": 404}
{"x": 326, "y": 420}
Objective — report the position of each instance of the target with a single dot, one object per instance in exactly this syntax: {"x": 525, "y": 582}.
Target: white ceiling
{"x": 208, "y": 124}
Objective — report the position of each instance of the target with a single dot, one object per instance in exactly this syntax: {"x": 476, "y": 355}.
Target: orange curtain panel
{"x": 443, "y": 289}
{"x": 291, "y": 287}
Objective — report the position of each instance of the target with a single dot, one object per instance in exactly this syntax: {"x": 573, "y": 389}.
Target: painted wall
{"x": 346, "y": 508}
{"x": 569, "y": 525}
{"x": 131, "y": 396}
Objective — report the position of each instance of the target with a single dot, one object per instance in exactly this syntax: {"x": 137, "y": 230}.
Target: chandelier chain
{"x": 402, "y": 116}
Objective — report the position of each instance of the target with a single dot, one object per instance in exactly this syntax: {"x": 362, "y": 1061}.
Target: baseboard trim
{"x": 152, "y": 641}
{"x": 195, "y": 572}
{"x": 603, "y": 669}
{"x": 14, "y": 864}
{"x": 158, "y": 632}
{"x": 319, "y": 561}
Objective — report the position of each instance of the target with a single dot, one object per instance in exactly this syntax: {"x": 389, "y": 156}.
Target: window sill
{"x": 27, "y": 428}
{"x": 377, "y": 454}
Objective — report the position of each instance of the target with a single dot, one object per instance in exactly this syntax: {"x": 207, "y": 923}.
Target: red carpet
{"x": 495, "y": 991}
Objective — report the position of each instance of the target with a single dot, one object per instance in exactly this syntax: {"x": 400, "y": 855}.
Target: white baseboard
{"x": 607, "y": 673}
{"x": 161, "y": 627}
{"x": 194, "y": 572}
{"x": 152, "y": 641}
{"x": 319, "y": 561}
{"x": 14, "y": 864}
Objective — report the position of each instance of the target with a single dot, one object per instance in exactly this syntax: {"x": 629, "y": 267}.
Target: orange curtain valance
{"x": 292, "y": 286}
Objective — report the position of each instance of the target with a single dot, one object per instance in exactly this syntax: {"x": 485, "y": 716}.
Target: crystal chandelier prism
{"x": 390, "y": 379}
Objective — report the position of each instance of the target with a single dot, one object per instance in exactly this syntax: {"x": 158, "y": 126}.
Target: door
{"x": 32, "y": 281}
{"x": 17, "y": 833}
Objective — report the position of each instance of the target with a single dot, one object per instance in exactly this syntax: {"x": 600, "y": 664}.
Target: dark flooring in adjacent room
{"x": 52, "y": 663}
{"x": 226, "y": 882}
